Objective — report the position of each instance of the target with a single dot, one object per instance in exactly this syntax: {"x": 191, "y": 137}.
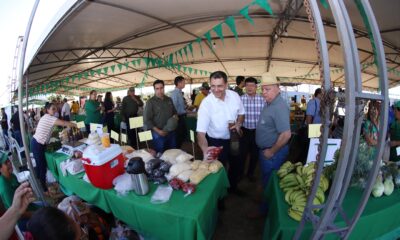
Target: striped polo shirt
{"x": 44, "y": 128}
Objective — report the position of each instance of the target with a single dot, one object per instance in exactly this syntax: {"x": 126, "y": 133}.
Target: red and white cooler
{"x": 103, "y": 166}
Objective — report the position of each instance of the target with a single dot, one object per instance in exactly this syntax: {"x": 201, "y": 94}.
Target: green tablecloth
{"x": 379, "y": 219}
{"x": 192, "y": 217}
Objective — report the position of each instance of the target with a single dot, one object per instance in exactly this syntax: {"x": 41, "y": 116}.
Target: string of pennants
{"x": 171, "y": 60}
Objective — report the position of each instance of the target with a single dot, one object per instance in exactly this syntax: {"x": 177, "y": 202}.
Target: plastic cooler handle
{"x": 86, "y": 160}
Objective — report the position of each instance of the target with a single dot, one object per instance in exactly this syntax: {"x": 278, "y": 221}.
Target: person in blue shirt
{"x": 313, "y": 108}
{"x": 179, "y": 104}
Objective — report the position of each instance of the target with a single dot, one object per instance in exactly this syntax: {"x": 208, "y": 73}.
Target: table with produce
{"x": 167, "y": 197}
{"x": 288, "y": 188}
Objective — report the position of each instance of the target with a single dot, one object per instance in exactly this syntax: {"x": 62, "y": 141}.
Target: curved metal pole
{"x": 35, "y": 185}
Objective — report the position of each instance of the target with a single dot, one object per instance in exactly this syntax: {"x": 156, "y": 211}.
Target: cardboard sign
{"x": 123, "y": 138}
{"x": 114, "y": 135}
{"x": 191, "y": 135}
{"x": 80, "y": 124}
{"x": 314, "y": 130}
{"x": 136, "y": 122}
{"x": 145, "y": 136}
{"x": 333, "y": 145}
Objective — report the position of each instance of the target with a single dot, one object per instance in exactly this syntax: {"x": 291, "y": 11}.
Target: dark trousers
{"x": 248, "y": 146}
{"x": 230, "y": 162}
{"x": 181, "y": 131}
{"x": 132, "y": 136}
{"x": 5, "y": 133}
{"x": 38, "y": 151}
{"x": 66, "y": 118}
{"x": 109, "y": 122}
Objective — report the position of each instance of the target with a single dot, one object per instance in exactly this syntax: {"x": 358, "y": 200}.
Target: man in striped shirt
{"x": 253, "y": 104}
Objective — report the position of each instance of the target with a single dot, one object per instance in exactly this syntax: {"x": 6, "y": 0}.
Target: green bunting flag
{"x": 98, "y": 71}
{"x": 120, "y": 66}
{"x": 72, "y": 78}
{"x": 91, "y": 73}
{"x": 184, "y": 69}
{"x": 180, "y": 54}
{"x": 195, "y": 71}
{"x": 79, "y": 76}
{"x": 146, "y": 62}
{"x": 138, "y": 62}
{"x": 112, "y": 68}
{"x": 190, "y": 70}
{"x": 230, "y": 21}
{"x": 199, "y": 40}
{"x": 218, "y": 30}
{"x": 191, "y": 49}
{"x": 133, "y": 63}
{"x": 126, "y": 65}
{"x": 265, "y": 5}
{"x": 105, "y": 70}
{"x": 201, "y": 72}
{"x": 185, "y": 52}
{"x": 245, "y": 13}
{"x": 208, "y": 37}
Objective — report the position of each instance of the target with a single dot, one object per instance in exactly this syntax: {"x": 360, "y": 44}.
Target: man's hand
{"x": 23, "y": 196}
{"x": 238, "y": 127}
{"x": 161, "y": 132}
{"x": 268, "y": 153}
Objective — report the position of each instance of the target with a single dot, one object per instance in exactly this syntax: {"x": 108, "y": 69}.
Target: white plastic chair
{"x": 18, "y": 149}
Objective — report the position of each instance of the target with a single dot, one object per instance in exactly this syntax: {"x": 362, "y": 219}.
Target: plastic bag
{"x": 183, "y": 157}
{"x": 162, "y": 194}
{"x": 146, "y": 156}
{"x": 123, "y": 184}
{"x": 153, "y": 163}
{"x": 170, "y": 155}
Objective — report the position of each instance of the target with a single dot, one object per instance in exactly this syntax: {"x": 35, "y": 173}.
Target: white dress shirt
{"x": 214, "y": 114}
{"x": 66, "y": 110}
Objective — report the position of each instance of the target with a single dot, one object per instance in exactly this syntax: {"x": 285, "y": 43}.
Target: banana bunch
{"x": 296, "y": 181}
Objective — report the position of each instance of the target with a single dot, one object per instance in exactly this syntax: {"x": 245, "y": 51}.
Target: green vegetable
{"x": 388, "y": 185}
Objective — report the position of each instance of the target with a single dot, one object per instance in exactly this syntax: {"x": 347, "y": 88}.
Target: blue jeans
{"x": 274, "y": 163}
{"x": 161, "y": 143}
{"x": 38, "y": 151}
{"x": 18, "y": 137}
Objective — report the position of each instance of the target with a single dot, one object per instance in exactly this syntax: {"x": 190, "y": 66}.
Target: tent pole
{"x": 34, "y": 183}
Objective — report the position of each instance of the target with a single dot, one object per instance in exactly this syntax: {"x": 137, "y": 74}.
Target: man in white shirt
{"x": 216, "y": 111}
{"x": 65, "y": 111}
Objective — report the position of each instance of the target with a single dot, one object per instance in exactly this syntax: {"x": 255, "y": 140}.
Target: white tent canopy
{"x": 93, "y": 35}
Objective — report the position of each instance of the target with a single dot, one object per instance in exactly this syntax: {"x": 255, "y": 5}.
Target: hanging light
{"x": 276, "y": 36}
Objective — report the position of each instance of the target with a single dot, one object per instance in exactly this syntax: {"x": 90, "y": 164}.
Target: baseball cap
{"x": 3, "y": 157}
{"x": 205, "y": 85}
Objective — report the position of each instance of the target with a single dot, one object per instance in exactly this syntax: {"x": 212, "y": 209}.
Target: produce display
{"x": 178, "y": 184}
{"x": 296, "y": 181}
{"x": 156, "y": 170}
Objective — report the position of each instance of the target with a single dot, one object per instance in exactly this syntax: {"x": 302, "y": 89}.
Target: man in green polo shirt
{"x": 8, "y": 181}
{"x": 161, "y": 118}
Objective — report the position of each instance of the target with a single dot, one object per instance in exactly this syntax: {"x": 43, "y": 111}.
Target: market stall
{"x": 185, "y": 215}
{"x": 378, "y": 220}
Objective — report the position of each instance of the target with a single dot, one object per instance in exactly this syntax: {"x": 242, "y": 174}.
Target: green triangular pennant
{"x": 72, "y": 78}
{"x": 185, "y": 52}
{"x": 230, "y": 21}
{"x": 208, "y": 37}
{"x": 180, "y": 53}
{"x": 67, "y": 79}
{"x": 138, "y": 62}
{"x": 105, "y": 70}
{"x": 265, "y": 5}
{"x": 199, "y": 40}
{"x": 184, "y": 69}
{"x": 201, "y": 72}
{"x": 126, "y": 65}
{"x": 119, "y": 66}
{"x": 112, "y": 68}
{"x": 178, "y": 67}
{"x": 218, "y": 30}
{"x": 79, "y": 76}
{"x": 195, "y": 71}
{"x": 171, "y": 59}
{"x": 98, "y": 71}
{"x": 153, "y": 62}
{"x": 190, "y": 70}
{"x": 133, "y": 63}
{"x": 245, "y": 13}
{"x": 146, "y": 61}
{"x": 160, "y": 62}
{"x": 92, "y": 73}
{"x": 191, "y": 49}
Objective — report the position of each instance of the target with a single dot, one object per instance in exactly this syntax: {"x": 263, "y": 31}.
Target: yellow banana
{"x": 299, "y": 170}
{"x": 295, "y": 214}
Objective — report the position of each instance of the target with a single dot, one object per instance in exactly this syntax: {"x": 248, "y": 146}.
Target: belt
{"x": 248, "y": 129}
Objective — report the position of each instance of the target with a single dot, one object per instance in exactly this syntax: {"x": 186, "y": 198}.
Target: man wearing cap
{"x": 220, "y": 108}
{"x": 273, "y": 128}
{"x": 129, "y": 109}
{"x": 160, "y": 117}
{"x": 179, "y": 103}
{"x": 8, "y": 181}
{"x": 204, "y": 91}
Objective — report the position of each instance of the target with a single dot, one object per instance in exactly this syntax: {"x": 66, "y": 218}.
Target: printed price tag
{"x": 114, "y": 135}
{"x": 80, "y": 124}
{"x": 191, "y": 135}
{"x": 314, "y": 130}
{"x": 145, "y": 136}
{"x": 136, "y": 122}
{"x": 123, "y": 138}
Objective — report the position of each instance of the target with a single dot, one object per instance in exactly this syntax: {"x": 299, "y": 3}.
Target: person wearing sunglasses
{"x": 42, "y": 136}
{"x": 395, "y": 134}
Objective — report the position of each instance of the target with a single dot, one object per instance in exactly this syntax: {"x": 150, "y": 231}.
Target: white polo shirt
{"x": 214, "y": 114}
